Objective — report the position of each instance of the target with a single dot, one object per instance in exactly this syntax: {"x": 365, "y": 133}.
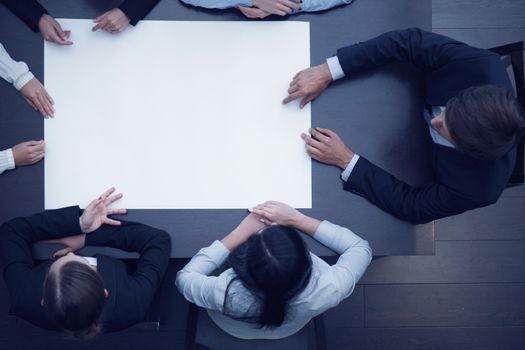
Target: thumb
{"x": 62, "y": 252}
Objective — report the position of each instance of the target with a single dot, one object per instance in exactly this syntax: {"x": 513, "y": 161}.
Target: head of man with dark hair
{"x": 484, "y": 122}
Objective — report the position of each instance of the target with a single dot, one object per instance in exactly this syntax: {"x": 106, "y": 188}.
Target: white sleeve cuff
{"x": 23, "y": 80}
{"x": 7, "y": 161}
{"x": 335, "y": 68}
{"x": 348, "y": 170}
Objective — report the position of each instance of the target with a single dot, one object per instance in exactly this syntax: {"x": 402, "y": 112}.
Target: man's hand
{"x": 113, "y": 21}
{"x": 97, "y": 212}
{"x": 72, "y": 244}
{"x": 309, "y": 83}
{"x": 30, "y": 152}
{"x": 277, "y": 7}
{"x": 273, "y": 212}
{"x": 326, "y": 146}
{"x": 253, "y": 12}
{"x": 52, "y": 31}
{"x": 38, "y": 98}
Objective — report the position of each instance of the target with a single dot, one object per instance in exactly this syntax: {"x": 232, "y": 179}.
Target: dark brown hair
{"x": 485, "y": 121}
{"x": 74, "y": 297}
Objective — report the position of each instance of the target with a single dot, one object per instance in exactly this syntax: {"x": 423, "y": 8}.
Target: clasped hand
{"x": 264, "y": 8}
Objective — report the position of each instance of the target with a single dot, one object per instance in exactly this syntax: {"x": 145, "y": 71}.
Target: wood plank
{"x": 454, "y": 262}
{"x": 427, "y": 338}
{"x": 503, "y": 220}
{"x": 478, "y": 14}
{"x": 445, "y": 305}
{"x": 350, "y": 313}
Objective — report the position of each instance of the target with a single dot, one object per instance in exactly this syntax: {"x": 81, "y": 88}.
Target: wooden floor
{"x": 470, "y": 295}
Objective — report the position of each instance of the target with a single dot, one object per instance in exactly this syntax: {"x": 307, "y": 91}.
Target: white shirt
{"x": 327, "y": 287}
{"x": 337, "y": 73}
{"x": 18, "y": 74}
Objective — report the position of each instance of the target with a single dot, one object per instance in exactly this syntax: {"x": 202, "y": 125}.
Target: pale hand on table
{"x": 273, "y": 212}
{"x": 27, "y": 153}
{"x": 97, "y": 212}
{"x": 326, "y": 146}
{"x": 253, "y": 12}
{"x": 52, "y": 31}
{"x": 113, "y": 21}
{"x": 37, "y": 97}
{"x": 309, "y": 83}
{"x": 277, "y": 7}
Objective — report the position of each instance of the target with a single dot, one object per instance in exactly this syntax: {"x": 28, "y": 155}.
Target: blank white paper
{"x": 178, "y": 115}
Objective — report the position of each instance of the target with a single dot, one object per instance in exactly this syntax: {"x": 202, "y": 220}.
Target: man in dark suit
{"x": 114, "y": 21}
{"x": 83, "y": 295}
{"x": 474, "y": 121}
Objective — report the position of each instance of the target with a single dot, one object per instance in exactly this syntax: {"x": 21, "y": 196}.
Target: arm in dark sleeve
{"x": 424, "y": 49}
{"x": 418, "y": 205}
{"x": 29, "y": 11}
{"x": 17, "y": 235}
{"x": 154, "y": 247}
{"x": 136, "y": 10}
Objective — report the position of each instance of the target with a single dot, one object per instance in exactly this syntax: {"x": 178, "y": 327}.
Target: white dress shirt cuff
{"x": 348, "y": 170}
{"x": 335, "y": 68}
{"x": 23, "y": 80}
{"x": 7, "y": 161}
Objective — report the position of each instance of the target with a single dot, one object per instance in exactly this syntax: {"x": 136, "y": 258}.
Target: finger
{"x": 266, "y": 221}
{"x": 293, "y": 88}
{"x": 117, "y": 211}
{"x": 313, "y": 152}
{"x": 29, "y": 102}
{"x": 100, "y": 17}
{"x": 67, "y": 33}
{"x": 306, "y": 100}
{"x": 49, "y": 98}
{"x": 33, "y": 143}
{"x": 310, "y": 141}
{"x": 112, "y": 199}
{"x": 327, "y": 132}
{"x": 280, "y": 11}
{"x": 290, "y": 5}
{"x": 318, "y": 135}
{"x": 100, "y": 25}
{"x": 107, "y": 193}
{"x": 47, "y": 108}
{"x": 38, "y": 158}
{"x": 284, "y": 9}
{"x": 112, "y": 222}
{"x": 292, "y": 97}
{"x": 262, "y": 212}
{"x": 37, "y": 147}
{"x": 61, "y": 36}
{"x": 39, "y": 106}
{"x": 62, "y": 252}
{"x": 250, "y": 12}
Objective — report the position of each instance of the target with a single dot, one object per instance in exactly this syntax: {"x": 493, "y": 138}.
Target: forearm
{"x": 136, "y": 10}
{"x": 306, "y": 224}
{"x": 319, "y": 5}
{"x": 235, "y": 238}
{"x": 219, "y": 4}
{"x": 16, "y": 73}
{"x": 29, "y": 11}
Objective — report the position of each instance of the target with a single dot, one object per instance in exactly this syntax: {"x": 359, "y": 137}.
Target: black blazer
{"x": 460, "y": 182}
{"x": 130, "y": 293}
{"x": 30, "y": 11}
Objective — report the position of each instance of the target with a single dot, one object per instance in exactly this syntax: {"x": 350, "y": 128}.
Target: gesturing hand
{"x": 113, "y": 21}
{"x": 38, "y": 98}
{"x": 27, "y": 153}
{"x": 97, "y": 212}
{"x": 253, "y": 12}
{"x": 326, "y": 146}
{"x": 309, "y": 83}
{"x": 276, "y": 212}
{"x": 52, "y": 31}
{"x": 277, "y": 7}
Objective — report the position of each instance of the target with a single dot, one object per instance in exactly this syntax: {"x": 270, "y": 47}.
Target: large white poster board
{"x": 177, "y": 115}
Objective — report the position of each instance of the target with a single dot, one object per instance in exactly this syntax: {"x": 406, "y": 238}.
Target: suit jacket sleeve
{"x": 136, "y": 10}
{"x": 418, "y": 205}
{"x": 29, "y": 11}
{"x": 154, "y": 247}
{"x": 17, "y": 235}
{"x": 424, "y": 49}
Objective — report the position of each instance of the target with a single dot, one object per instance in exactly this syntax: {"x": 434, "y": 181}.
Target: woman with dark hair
{"x": 82, "y": 295}
{"x": 273, "y": 285}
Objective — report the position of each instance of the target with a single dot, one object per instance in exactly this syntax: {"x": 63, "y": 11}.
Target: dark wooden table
{"x": 378, "y": 114}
